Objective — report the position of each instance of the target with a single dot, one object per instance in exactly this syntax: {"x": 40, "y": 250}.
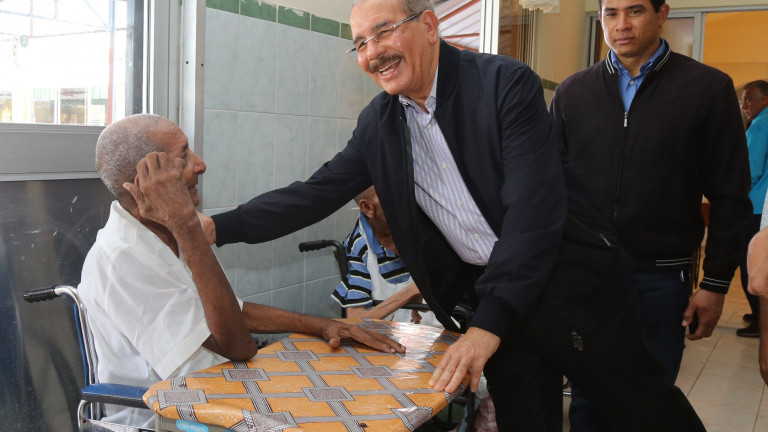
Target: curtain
{"x": 546, "y": 6}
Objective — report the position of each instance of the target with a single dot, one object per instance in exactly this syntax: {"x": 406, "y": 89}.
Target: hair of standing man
{"x": 655, "y": 3}
{"x": 410, "y": 7}
{"x": 760, "y": 85}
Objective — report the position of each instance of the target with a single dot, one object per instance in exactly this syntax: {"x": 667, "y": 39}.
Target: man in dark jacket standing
{"x": 483, "y": 211}
{"x": 654, "y": 130}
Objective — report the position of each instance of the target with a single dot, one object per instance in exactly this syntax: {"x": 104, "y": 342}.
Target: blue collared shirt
{"x": 358, "y": 290}
{"x": 628, "y": 85}
{"x": 757, "y": 143}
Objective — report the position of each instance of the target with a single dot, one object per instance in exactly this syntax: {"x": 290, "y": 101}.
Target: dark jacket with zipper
{"x": 649, "y": 167}
{"x": 553, "y": 244}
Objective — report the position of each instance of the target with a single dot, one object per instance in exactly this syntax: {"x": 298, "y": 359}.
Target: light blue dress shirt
{"x": 757, "y": 143}
{"x": 628, "y": 85}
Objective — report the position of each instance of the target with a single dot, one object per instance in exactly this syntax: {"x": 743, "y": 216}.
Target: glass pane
{"x": 516, "y": 31}
{"x": 679, "y": 33}
{"x": 64, "y": 62}
{"x": 6, "y": 106}
{"x": 735, "y": 43}
{"x": 72, "y": 106}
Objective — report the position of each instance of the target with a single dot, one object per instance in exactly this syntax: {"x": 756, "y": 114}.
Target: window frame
{"x": 55, "y": 152}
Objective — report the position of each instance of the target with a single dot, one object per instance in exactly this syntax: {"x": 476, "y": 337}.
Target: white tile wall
{"x": 279, "y": 101}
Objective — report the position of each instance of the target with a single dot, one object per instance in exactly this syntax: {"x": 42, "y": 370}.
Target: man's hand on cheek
{"x": 160, "y": 192}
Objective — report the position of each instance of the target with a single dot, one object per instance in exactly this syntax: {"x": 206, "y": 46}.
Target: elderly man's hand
{"x": 160, "y": 192}
{"x": 335, "y": 331}
{"x": 757, "y": 263}
{"x": 468, "y": 354}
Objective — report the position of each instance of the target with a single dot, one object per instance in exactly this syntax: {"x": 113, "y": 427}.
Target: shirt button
{"x": 444, "y": 165}
{"x": 477, "y": 236}
{"x": 632, "y": 82}
{"x": 429, "y": 126}
{"x": 458, "y": 203}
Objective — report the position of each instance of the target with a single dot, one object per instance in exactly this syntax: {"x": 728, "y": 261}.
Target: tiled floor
{"x": 720, "y": 375}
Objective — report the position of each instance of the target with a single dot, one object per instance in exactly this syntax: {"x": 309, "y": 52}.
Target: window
{"x": 70, "y": 67}
{"x": 509, "y": 29}
{"x": 516, "y": 31}
{"x": 55, "y": 56}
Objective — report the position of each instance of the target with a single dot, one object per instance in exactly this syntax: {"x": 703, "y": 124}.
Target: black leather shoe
{"x": 748, "y": 317}
{"x": 750, "y": 331}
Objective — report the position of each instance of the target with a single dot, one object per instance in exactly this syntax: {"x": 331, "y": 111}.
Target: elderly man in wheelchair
{"x": 158, "y": 302}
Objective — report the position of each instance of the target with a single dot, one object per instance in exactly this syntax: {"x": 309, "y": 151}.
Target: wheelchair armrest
{"x": 117, "y": 394}
{"x": 422, "y": 307}
{"x": 463, "y": 315}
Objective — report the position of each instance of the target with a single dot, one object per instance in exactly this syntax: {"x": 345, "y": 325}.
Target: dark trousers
{"x": 754, "y": 301}
{"x": 662, "y": 297}
{"x": 612, "y": 365}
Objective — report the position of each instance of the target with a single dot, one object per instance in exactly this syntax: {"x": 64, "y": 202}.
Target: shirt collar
{"x": 644, "y": 68}
{"x": 761, "y": 115}
{"x": 431, "y": 102}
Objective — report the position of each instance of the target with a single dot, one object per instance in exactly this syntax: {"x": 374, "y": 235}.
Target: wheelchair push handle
{"x": 41, "y": 294}
{"x": 318, "y": 244}
{"x": 338, "y": 253}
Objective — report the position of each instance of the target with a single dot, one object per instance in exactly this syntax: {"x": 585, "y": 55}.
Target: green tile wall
{"x": 269, "y": 12}
{"x": 259, "y": 9}
{"x": 289, "y": 17}
{"x": 224, "y": 5}
{"x": 325, "y": 26}
{"x": 346, "y": 31}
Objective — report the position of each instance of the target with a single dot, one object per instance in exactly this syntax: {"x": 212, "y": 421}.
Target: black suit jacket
{"x": 553, "y": 246}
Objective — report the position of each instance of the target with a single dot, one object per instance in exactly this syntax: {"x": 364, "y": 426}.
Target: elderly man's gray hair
{"x": 120, "y": 148}
{"x": 410, "y": 7}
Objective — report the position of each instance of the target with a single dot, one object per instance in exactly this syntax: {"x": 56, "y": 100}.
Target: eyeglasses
{"x": 380, "y": 36}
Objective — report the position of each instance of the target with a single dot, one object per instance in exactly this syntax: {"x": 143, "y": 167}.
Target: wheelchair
{"x": 94, "y": 394}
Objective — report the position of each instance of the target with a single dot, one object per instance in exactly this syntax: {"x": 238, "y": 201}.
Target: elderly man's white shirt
{"x": 143, "y": 309}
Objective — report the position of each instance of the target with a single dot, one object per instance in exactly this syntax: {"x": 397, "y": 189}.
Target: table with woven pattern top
{"x": 300, "y": 383}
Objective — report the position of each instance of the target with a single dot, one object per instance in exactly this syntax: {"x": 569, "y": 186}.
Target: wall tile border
{"x": 224, "y": 5}
{"x": 293, "y": 18}
{"x": 283, "y": 15}
{"x": 259, "y": 9}
{"x": 325, "y": 26}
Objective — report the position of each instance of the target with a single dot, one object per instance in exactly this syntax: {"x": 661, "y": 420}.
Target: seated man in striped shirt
{"x": 375, "y": 270}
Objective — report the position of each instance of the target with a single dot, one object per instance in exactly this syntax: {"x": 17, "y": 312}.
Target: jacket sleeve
{"x": 534, "y": 200}
{"x": 726, "y": 186}
{"x": 282, "y": 211}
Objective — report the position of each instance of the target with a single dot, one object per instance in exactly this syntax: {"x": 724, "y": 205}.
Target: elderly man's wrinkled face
{"x": 173, "y": 141}
{"x": 401, "y": 61}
